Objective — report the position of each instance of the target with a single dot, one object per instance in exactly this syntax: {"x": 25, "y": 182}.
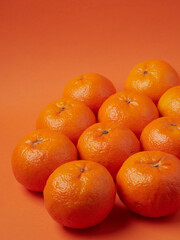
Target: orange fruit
{"x": 131, "y": 109}
{"x": 152, "y": 78}
{"x": 169, "y": 103}
{"x": 109, "y": 144}
{"x": 66, "y": 116}
{"x": 149, "y": 183}
{"x": 91, "y": 88}
{"x": 162, "y": 134}
{"x": 79, "y": 194}
{"x": 38, "y": 154}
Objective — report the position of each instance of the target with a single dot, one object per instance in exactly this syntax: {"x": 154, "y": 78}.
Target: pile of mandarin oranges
{"x": 95, "y": 141}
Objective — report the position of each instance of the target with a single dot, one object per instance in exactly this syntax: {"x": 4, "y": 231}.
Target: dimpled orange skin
{"x": 152, "y": 78}
{"x": 66, "y": 116}
{"x": 131, "y": 109}
{"x": 80, "y": 194}
{"x": 38, "y": 154}
{"x": 169, "y": 103}
{"x": 91, "y": 88}
{"x": 109, "y": 144}
{"x": 149, "y": 183}
{"x": 162, "y": 134}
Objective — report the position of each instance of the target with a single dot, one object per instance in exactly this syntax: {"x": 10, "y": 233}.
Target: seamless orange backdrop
{"x": 43, "y": 44}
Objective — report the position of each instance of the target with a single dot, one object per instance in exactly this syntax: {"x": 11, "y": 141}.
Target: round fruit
{"x": 109, "y": 144}
{"x": 169, "y": 103}
{"x": 149, "y": 183}
{"x": 66, "y": 116}
{"x": 91, "y": 88}
{"x": 80, "y": 194}
{"x": 162, "y": 134}
{"x": 131, "y": 109}
{"x": 152, "y": 78}
{"x": 38, "y": 154}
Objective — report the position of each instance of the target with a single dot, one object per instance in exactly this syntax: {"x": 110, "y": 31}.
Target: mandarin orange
{"x": 91, "y": 88}
{"x": 162, "y": 134}
{"x": 131, "y": 109}
{"x": 79, "y": 194}
{"x": 169, "y": 103}
{"x": 109, "y": 144}
{"x": 149, "y": 183}
{"x": 38, "y": 154}
{"x": 66, "y": 116}
{"x": 152, "y": 78}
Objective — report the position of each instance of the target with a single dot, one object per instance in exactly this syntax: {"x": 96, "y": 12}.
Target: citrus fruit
{"x": 162, "y": 134}
{"x": 66, "y": 116}
{"x": 38, "y": 154}
{"x": 152, "y": 78}
{"x": 91, "y": 88}
{"x": 79, "y": 194}
{"x": 109, "y": 144}
{"x": 149, "y": 183}
{"x": 131, "y": 109}
{"x": 169, "y": 103}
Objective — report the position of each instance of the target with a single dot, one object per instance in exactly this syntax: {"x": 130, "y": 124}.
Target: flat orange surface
{"x": 43, "y": 44}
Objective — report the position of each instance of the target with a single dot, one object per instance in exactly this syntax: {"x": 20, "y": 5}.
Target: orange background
{"x": 43, "y": 44}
